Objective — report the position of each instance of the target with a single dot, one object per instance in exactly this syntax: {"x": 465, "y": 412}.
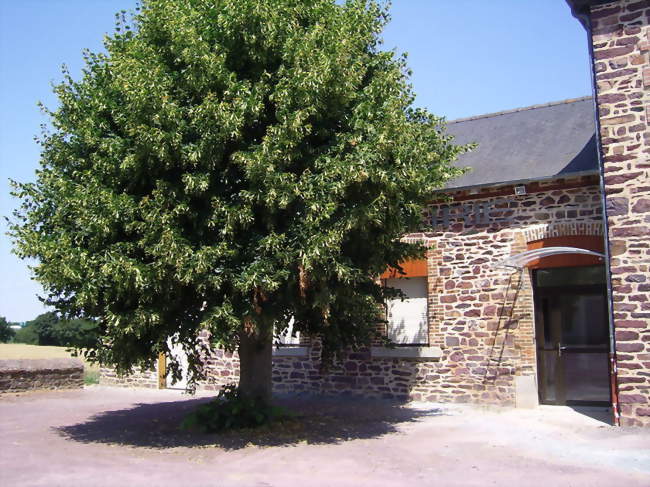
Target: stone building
{"x": 618, "y": 34}
{"x": 529, "y": 292}
{"x": 467, "y": 331}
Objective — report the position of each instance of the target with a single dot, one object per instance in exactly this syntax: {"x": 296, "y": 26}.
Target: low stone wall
{"x": 412, "y": 373}
{"x": 147, "y": 378}
{"x": 32, "y": 374}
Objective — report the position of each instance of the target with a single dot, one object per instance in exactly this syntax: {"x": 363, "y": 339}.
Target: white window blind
{"x": 407, "y": 319}
{"x": 287, "y": 336}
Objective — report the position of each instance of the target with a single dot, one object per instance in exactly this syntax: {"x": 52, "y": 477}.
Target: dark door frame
{"x": 539, "y": 293}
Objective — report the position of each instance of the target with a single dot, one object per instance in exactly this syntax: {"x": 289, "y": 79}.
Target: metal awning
{"x": 518, "y": 261}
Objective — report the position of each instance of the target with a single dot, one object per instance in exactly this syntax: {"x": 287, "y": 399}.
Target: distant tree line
{"x": 50, "y": 329}
{"x": 6, "y": 332}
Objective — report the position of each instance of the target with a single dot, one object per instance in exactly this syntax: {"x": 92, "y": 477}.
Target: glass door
{"x": 572, "y": 335}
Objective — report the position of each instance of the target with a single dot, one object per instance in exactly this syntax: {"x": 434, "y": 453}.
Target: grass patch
{"x": 91, "y": 376}
{"x": 20, "y": 350}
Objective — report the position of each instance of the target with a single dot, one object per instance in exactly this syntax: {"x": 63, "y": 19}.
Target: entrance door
{"x": 572, "y": 335}
{"x": 176, "y": 351}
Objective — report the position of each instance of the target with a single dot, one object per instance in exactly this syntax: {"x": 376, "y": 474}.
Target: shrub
{"x": 232, "y": 410}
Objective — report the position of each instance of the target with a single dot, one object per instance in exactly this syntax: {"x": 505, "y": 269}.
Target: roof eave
{"x": 580, "y": 9}
{"x": 516, "y": 182}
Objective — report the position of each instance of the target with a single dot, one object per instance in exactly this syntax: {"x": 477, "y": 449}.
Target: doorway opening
{"x": 572, "y": 335}
{"x": 176, "y": 351}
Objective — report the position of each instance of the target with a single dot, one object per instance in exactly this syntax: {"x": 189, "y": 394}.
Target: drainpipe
{"x": 613, "y": 374}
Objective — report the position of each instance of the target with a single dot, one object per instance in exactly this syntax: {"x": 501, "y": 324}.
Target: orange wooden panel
{"x": 412, "y": 268}
{"x": 587, "y": 242}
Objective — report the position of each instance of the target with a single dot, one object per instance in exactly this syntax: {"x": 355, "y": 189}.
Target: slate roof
{"x": 535, "y": 142}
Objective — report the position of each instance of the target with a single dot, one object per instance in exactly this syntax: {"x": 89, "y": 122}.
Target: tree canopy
{"x": 230, "y": 165}
{"x": 6, "y": 332}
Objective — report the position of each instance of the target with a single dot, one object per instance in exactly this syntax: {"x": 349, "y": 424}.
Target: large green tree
{"x": 229, "y": 165}
{"x": 7, "y": 333}
{"x": 44, "y": 327}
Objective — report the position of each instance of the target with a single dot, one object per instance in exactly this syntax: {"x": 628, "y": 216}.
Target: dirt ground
{"x": 118, "y": 437}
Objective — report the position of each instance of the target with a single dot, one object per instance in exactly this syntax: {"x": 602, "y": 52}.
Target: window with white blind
{"x": 407, "y": 318}
{"x": 287, "y": 336}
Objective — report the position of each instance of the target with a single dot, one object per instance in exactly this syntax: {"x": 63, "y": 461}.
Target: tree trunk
{"x": 255, "y": 364}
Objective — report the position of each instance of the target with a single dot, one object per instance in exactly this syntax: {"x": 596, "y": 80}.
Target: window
{"x": 287, "y": 336}
{"x": 407, "y": 318}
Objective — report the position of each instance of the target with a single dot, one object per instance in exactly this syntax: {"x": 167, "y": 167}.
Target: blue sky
{"x": 468, "y": 57}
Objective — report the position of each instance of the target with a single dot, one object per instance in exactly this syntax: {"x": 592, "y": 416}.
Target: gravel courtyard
{"x": 119, "y": 437}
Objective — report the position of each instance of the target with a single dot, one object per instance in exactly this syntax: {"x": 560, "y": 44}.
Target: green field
{"x": 20, "y": 350}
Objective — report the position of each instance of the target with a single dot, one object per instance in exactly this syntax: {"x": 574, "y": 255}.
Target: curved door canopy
{"x": 519, "y": 261}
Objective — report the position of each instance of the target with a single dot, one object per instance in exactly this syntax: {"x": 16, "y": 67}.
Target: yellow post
{"x": 162, "y": 371}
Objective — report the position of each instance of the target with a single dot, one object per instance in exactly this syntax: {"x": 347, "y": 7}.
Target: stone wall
{"x": 621, "y": 43}
{"x": 484, "y": 316}
{"x": 33, "y": 374}
{"x": 480, "y": 317}
{"x": 361, "y": 374}
{"x": 139, "y": 378}
{"x": 220, "y": 367}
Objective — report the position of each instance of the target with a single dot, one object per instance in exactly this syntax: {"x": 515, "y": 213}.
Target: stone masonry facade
{"x": 481, "y": 316}
{"x": 620, "y": 35}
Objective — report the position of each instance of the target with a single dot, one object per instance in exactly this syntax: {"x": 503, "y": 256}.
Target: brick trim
{"x": 565, "y": 229}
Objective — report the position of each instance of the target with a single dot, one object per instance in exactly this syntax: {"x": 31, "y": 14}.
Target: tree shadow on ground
{"x": 313, "y": 421}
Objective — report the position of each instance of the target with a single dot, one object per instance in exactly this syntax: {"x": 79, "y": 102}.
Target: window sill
{"x": 290, "y": 351}
{"x": 415, "y": 352}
